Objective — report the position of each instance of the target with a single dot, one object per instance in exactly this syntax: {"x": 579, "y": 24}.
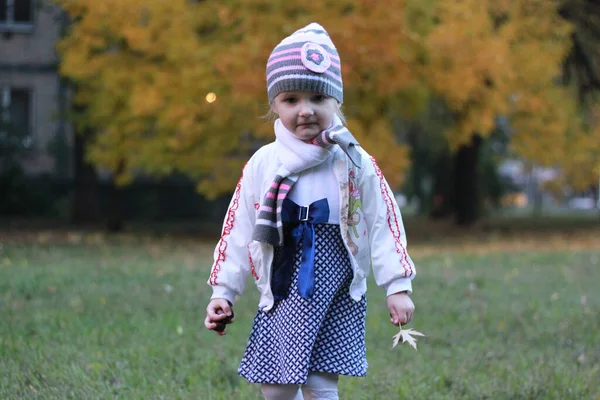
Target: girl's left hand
{"x": 401, "y": 308}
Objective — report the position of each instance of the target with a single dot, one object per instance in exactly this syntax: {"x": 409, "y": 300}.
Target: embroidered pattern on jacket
{"x": 355, "y": 203}
{"x": 227, "y": 230}
{"x": 392, "y": 219}
{"x": 254, "y": 274}
{"x": 345, "y": 206}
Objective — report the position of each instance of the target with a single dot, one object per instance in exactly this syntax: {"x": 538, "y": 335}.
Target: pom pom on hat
{"x": 307, "y": 61}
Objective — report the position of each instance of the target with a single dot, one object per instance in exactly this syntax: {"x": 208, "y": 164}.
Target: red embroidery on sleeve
{"x": 254, "y": 274}
{"x": 226, "y": 231}
{"x": 256, "y": 206}
{"x": 392, "y": 219}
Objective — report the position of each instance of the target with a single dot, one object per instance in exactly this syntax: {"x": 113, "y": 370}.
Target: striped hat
{"x": 305, "y": 61}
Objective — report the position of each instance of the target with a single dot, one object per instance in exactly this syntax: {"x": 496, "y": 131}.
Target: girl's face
{"x": 305, "y": 114}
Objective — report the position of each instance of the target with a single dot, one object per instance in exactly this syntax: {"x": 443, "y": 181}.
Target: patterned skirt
{"x": 325, "y": 333}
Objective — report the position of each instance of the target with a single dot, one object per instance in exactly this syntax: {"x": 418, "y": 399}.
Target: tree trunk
{"x": 114, "y": 220}
{"x": 443, "y": 196}
{"x": 466, "y": 182}
{"x": 85, "y": 207}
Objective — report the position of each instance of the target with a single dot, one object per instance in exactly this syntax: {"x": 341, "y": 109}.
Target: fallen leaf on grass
{"x": 407, "y": 336}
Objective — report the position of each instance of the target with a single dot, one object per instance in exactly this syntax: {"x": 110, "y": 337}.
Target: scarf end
{"x": 354, "y": 155}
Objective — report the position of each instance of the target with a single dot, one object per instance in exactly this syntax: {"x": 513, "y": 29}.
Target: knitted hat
{"x": 305, "y": 61}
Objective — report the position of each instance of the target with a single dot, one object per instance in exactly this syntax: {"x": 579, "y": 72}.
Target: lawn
{"x": 85, "y": 317}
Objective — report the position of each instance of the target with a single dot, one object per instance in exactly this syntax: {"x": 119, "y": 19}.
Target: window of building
{"x": 16, "y": 15}
{"x": 15, "y": 118}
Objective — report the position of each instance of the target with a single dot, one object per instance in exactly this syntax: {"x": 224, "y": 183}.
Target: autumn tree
{"x": 580, "y": 159}
{"x": 179, "y": 85}
{"x": 581, "y": 69}
{"x": 500, "y": 58}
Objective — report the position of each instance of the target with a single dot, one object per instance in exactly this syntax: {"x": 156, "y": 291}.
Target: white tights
{"x": 318, "y": 386}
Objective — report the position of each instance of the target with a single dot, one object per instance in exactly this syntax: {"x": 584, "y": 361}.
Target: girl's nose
{"x": 305, "y": 110}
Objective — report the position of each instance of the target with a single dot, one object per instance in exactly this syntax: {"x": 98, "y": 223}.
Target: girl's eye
{"x": 290, "y": 100}
{"x": 319, "y": 98}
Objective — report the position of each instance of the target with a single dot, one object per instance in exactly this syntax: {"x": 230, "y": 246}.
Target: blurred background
{"x": 127, "y": 113}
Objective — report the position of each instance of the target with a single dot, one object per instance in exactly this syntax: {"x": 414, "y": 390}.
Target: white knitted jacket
{"x": 370, "y": 223}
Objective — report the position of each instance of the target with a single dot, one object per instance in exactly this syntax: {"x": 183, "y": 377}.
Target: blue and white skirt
{"x": 325, "y": 333}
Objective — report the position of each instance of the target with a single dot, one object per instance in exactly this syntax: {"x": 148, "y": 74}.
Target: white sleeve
{"x": 393, "y": 268}
{"x": 231, "y": 264}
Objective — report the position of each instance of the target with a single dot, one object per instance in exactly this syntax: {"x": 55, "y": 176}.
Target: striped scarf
{"x": 296, "y": 156}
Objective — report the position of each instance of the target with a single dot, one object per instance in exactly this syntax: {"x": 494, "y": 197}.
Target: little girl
{"x": 311, "y": 215}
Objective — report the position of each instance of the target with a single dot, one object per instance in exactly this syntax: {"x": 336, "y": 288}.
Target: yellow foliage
{"x": 144, "y": 70}
{"x": 490, "y": 58}
{"x": 581, "y": 163}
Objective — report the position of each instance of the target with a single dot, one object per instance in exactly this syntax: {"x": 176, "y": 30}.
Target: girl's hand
{"x": 401, "y": 308}
{"x": 219, "y": 313}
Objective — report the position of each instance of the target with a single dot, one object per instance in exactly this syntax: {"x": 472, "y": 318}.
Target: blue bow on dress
{"x": 299, "y": 223}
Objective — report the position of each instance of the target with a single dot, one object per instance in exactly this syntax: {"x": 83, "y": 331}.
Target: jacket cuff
{"x": 221, "y": 292}
{"x": 399, "y": 285}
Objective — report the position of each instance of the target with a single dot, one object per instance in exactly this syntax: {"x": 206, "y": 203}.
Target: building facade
{"x": 32, "y": 95}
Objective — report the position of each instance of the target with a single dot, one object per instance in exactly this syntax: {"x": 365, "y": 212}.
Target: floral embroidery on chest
{"x": 355, "y": 210}
{"x": 354, "y": 214}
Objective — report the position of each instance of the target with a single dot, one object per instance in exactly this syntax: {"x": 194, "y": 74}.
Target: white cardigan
{"x": 370, "y": 224}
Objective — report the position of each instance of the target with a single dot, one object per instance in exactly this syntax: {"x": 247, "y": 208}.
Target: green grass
{"x": 124, "y": 319}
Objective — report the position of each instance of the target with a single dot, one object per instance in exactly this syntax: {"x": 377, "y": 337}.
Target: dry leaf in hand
{"x": 407, "y": 336}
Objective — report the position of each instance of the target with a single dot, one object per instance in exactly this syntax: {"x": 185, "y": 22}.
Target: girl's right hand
{"x": 219, "y": 313}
